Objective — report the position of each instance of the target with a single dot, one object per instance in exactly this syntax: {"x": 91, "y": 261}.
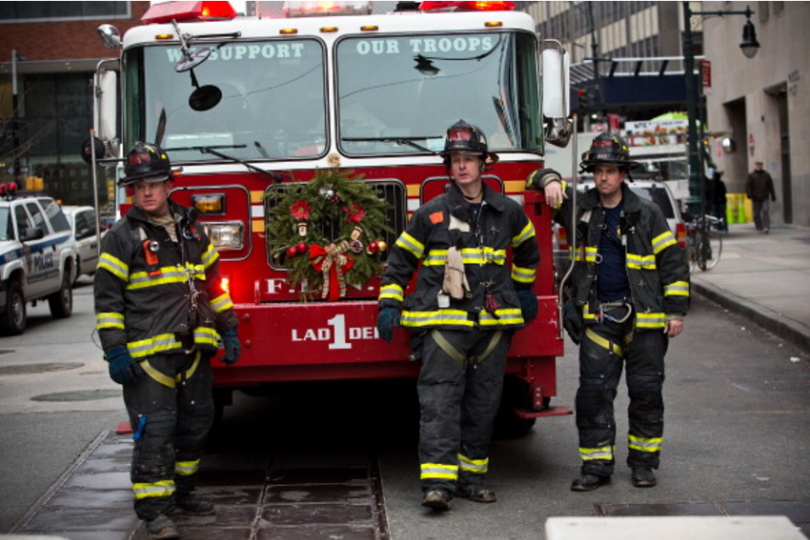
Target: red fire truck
{"x": 250, "y": 106}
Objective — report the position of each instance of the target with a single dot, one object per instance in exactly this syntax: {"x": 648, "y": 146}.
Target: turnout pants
{"x": 459, "y": 388}
{"x": 606, "y": 347}
{"x": 171, "y": 410}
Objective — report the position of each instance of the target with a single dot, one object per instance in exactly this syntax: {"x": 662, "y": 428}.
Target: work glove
{"x": 539, "y": 179}
{"x": 528, "y": 304}
{"x": 233, "y": 349}
{"x": 387, "y": 319}
{"x": 123, "y": 368}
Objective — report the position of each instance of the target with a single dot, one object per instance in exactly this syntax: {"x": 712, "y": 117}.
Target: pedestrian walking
{"x": 759, "y": 188}
{"x": 629, "y": 293}
{"x": 716, "y": 198}
{"x": 462, "y": 315}
{"x": 160, "y": 311}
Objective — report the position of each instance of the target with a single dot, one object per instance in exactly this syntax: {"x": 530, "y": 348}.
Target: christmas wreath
{"x": 328, "y": 233}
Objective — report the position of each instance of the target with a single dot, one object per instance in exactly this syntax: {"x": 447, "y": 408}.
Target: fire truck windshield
{"x": 396, "y": 89}
{"x": 273, "y": 102}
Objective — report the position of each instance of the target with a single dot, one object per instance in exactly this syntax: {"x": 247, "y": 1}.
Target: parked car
{"x": 652, "y": 190}
{"x": 37, "y": 259}
{"x": 82, "y": 221}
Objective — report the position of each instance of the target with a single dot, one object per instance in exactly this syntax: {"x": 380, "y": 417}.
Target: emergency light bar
{"x": 206, "y": 10}
{"x": 317, "y": 9}
{"x": 442, "y": 6}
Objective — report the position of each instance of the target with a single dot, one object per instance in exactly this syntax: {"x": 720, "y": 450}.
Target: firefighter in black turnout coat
{"x": 160, "y": 313}
{"x": 629, "y": 294}
{"x": 467, "y": 304}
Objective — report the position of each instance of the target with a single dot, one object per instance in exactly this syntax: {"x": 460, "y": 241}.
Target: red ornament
{"x": 301, "y": 248}
{"x": 373, "y": 247}
{"x": 292, "y": 251}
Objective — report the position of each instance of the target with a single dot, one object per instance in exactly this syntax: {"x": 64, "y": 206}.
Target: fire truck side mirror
{"x": 556, "y": 87}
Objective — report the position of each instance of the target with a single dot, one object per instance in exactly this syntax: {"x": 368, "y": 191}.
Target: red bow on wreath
{"x": 333, "y": 262}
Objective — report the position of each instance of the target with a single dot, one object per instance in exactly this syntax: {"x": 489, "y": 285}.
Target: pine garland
{"x": 337, "y": 205}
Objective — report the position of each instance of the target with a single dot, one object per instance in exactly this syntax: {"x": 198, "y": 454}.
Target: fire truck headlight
{"x": 226, "y": 236}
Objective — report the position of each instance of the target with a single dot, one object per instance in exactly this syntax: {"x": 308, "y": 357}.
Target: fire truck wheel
{"x": 515, "y": 396}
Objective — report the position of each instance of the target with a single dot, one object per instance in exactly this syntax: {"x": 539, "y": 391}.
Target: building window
{"x": 15, "y": 12}
{"x": 778, "y": 8}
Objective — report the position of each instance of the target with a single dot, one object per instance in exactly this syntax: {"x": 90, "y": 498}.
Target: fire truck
{"x": 250, "y": 106}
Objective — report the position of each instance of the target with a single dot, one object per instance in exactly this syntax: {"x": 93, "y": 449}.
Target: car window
{"x": 58, "y": 220}
{"x": 23, "y": 221}
{"x": 38, "y": 218}
{"x": 85, "y": 224}
{"x": 6, "y": 230}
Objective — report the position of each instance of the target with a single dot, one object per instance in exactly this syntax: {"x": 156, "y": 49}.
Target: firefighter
{"x": 160, "y": 311}
{"x": 466, "y": 306}
{"x": 629, "y": 293}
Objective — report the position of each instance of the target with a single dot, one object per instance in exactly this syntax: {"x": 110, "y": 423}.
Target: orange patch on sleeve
{"x": 436, "y": 217}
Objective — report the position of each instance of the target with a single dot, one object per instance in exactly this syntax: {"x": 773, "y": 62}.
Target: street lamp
{"x": 749, "y": 47}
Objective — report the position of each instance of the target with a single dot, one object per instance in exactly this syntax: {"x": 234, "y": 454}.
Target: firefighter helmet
{"x": 467, "y": 139}
{"x": 607, "y": 148}
{"x": 147, "y": 162}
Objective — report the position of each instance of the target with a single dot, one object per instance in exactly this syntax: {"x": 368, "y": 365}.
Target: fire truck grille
{"x": 392, "y": 191}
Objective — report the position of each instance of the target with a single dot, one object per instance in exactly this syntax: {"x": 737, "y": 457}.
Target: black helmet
{"x": 467, "y": 139}
{"x": 607, "y": 148}
{"x": 147, "y": 162}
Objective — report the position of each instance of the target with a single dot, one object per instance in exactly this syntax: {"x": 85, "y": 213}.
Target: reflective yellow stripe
{"x": 449, "y": 317}
{"x": 679, "y": 288}
{"x": 392, "y": 291}
{"x": 644, "y": 445}
{"x": 435, "y": 257}
{"x": 590, "y": 254}
{"x": 525, "y": 234}
{"x": 113, "y": 265}
{"x": 154, "y": 345}
{"x": 604, "y": 343}
{"x": 437, "y": 470}
{"x": 186, "y": 468}
{"x": 650, "y": 320}
{"x": 477, "y": 466}
{"x": 501, "y": 317}
{"x": 663, "y": 241}
{"x": 409, "y": 243}
{"x": 205, "y": 336}
{"x": 591, "y": 454}
{"x": 210, "y": 256}
{"x": 168, "y": 274}
{"x": 486, "y": 255}
{"x": 110, "y": 320}
{"x": 164, "y": 488}
{"x": 222, "y": 303}
{"x": 641, "y": 262}
{"x": 523, "y": 275}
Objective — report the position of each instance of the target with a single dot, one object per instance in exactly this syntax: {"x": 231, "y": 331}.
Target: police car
{"x": 37, "y": 258}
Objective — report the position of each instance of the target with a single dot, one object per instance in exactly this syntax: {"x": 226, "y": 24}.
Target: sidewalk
{"x": 765, "y": 277}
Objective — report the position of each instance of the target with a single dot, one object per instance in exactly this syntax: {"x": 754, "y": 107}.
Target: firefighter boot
{"x": 162, "y": 528}
{"x": 644, "y": 477}
{"x": 437, "y": 499}
{"x": 476, "y": 493}
{"x": 189, "y": 504}
{"x": 589, "y": 482}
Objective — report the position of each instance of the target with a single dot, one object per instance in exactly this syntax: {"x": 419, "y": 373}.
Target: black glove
{"x": 123, "y": 368}
{"x": 528, "y": 304}
{"x": 233, "y": 349}
{"x": 387, "y": 319}
{"x": 572, "y": 321}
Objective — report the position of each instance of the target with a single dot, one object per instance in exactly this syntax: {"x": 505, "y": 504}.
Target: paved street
{"x": 735, "y": 443}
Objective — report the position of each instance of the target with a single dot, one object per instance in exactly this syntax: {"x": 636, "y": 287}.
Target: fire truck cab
{"x": 250, "y": 106}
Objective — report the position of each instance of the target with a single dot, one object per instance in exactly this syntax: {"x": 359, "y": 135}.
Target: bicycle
{"x": 704, "y": 245}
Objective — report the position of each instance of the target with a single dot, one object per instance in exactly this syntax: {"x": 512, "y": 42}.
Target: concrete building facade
{"x": 763, "y": 103}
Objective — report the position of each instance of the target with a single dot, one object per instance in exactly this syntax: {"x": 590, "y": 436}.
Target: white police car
{"x": 37, "y": 258}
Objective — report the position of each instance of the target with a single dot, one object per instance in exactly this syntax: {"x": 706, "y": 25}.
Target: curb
{"x": 770, "y": 320}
